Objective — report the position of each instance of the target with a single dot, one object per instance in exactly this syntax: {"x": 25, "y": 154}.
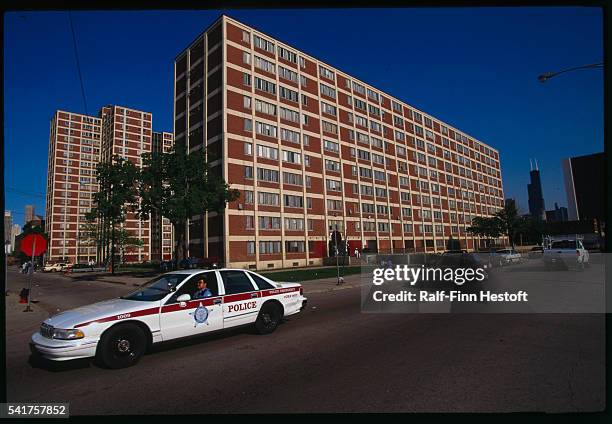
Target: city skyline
{"x": 153, "y": 91}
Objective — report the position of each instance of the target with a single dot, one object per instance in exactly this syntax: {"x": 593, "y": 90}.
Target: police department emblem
{"x": 200, "y": 315}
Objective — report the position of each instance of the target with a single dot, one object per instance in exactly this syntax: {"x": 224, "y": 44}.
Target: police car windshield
{"x": 157, "y": 288}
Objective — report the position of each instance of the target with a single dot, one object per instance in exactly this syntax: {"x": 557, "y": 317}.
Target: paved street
{"x": 330, "y": 358}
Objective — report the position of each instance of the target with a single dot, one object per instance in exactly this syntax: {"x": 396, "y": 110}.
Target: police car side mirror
{"x": 183, "y": 298}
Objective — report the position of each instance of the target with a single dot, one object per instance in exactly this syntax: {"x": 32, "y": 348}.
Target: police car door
{"x": 241, "y": 301}
{"x": 180, "y": 319}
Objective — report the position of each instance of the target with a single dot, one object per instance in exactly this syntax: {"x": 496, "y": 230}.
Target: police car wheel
{"x": 122, "y": 346}
{"x": 268, "y": 319}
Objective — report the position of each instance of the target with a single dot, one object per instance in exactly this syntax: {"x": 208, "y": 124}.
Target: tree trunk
{"x": 179, "y": 247}
{"x": 113, "y": 249}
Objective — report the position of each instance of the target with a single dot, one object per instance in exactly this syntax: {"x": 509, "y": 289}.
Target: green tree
{"x": 116, "y": 196}
{"x": 508, "y": 221}
{"x": 177, "y": 186}
{"x": 486, "y": 227}
{"x": 125, "y": 241}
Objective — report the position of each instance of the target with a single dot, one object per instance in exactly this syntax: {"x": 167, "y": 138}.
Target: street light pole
{"x": 548, "y": 75}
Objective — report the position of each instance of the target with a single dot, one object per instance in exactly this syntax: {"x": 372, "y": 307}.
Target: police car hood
{"x": 96, "y": 311}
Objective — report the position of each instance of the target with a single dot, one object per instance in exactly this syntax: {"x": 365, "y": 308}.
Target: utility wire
{"x": 25, "y": 193}
{"x": 78, "y": 63}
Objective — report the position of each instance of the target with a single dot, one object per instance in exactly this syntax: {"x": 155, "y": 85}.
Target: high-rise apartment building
{"x": 161, "y": 229}
{"x": 313, "y": 149}
{"x": 74, "y": 152}
{"x": 77, "y": 144}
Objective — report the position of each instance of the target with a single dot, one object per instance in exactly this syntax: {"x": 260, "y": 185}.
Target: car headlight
{"x": 70, "y": 334}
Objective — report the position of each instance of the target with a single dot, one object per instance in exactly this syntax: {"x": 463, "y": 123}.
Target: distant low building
{"x": 511, "y": 202}
{"x": 37, "y": 221}
{"x": 8, "y": 224}
{"x": 558, "y": 214}
{"x": 15, "y": 231}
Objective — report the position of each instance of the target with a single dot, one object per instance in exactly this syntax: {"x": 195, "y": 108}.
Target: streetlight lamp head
{"x": 544, "y": 77}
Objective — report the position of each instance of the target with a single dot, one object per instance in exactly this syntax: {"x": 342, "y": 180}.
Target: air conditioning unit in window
{"x": 239, "y": 206}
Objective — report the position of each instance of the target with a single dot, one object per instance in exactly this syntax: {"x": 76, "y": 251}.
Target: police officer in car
{"x": 203, "y": 291}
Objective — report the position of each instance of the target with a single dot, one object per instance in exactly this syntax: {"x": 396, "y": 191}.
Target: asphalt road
{"x": 331, "y": 358}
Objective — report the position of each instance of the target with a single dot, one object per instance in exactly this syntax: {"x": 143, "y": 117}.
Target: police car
{"x": 118, "y": 331}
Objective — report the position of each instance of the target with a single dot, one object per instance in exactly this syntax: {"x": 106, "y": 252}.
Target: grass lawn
{"x": 306, "y": 274}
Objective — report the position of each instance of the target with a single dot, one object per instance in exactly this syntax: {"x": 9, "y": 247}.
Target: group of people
{"x": 25, "y": 267}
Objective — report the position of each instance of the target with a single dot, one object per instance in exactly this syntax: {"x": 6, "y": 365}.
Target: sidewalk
{"x": 18, "y": 321}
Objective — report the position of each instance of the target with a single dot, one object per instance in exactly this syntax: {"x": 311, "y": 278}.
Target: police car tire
{"x": 113, "y": 351}
{"x": 269, "y": 318}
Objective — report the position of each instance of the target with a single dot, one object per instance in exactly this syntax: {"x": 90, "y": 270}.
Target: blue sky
{"x": 475, "y": 68}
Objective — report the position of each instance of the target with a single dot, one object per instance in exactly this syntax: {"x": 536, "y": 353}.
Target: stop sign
{"x": 28, "y": 245}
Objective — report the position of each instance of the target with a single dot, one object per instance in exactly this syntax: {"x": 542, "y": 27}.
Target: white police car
{"x": 119, "y": 331}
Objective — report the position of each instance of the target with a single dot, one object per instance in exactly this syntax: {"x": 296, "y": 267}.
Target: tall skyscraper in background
{"x": 537, "y": 209}
{"x": 77, "y": 144}
{"x": 29, "y": 214}
{"x": 313, "y": 149}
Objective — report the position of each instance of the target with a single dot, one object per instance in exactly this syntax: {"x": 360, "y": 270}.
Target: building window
{"x": 285, "y": 93}
{"x": 265, "y": 107}
{"x": 287, "y": 55}
{"x": 269, "y": 223}
{"x": 268, "y": 175}
{"x": 247, "y": 102}
{"x": 268, "y": 199}
{"x": 327, "y": 73}
{"x": 294, "y": 246}
{"x": 269, "y": 247}
{"x": 262, "y": 44}
{"x": 331, "y": 146}
{"x": 250, "y": 247}
{"x": 293, "y": 201}
{"x": 327, "y": 91}
{"x": 267, "y": 152}
{"x": 248, "y": 125}
{"x": 263, "y": 85}
{"x": 246, "y": 80}
{"x": 246, "y": 58}
{"x": 264, "y": 65}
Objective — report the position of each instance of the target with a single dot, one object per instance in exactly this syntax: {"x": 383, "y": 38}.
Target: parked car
{"x": 56, "y": 267}
{"x": 536, "y": 252}
{"x": 568, "y": 253}
{"x": 506, "y": 256}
